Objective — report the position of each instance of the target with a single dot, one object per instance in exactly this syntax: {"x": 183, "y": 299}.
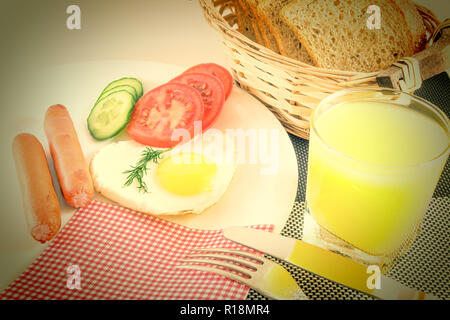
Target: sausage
{"x": 41, "y": 206}
{"x": 70, "y": 165}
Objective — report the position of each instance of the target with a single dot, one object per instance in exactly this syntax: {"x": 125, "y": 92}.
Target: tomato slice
{"x": 217, "y": 71}
{"x": 161, "y": 111}
{"x": 211, "y": 90}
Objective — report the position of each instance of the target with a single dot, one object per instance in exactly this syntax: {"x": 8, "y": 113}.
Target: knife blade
{"x": 324, "y": 263}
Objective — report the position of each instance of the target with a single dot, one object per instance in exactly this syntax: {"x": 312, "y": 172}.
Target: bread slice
{"x": 287, "y": 41}
{"x": 336, "y": 36}
{"x": 244, "y": 25}
{"x": 250, "y": 16}
{"x": 267, "y": 36}
{"x": 415, "y": 23}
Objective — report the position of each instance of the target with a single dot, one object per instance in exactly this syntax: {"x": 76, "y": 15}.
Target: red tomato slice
{"x": 217, "y": 71}
{"x": 211, "y": 90}
{"x": 161, "y": 111}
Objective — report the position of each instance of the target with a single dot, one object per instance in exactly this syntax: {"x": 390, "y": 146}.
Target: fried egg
{"x": 186, "y": 179}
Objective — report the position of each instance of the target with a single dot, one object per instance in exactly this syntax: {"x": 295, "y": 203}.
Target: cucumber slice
{"x": 132, "y": 82}
{"x": 125, "y": 87}
{"x": 110, "y": 115}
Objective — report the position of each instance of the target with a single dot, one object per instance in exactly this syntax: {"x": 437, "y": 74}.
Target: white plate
{"x": 251, "y": 198}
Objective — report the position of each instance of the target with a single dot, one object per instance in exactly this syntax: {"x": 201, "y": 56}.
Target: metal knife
{"x": 324, "y": 263}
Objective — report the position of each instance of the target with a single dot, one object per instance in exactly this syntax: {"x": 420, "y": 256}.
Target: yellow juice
{"x": 373, "y": 167}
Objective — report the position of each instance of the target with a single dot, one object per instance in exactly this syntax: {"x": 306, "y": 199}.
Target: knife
{"x": 324, "y": 263}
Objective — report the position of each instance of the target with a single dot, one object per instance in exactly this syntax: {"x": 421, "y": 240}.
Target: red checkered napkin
{"x": 117, "y": 253}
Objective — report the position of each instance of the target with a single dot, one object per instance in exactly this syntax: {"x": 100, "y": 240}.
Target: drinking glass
{"x": 375, "y": 157}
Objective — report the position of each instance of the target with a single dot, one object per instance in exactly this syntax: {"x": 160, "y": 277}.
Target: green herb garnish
{"x": 140, "y": 169}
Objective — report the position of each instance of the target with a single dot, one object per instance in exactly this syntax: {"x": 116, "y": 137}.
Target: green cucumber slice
{"x": 132, "y": 82}
{"x": 125, "y": 87}
{"x": 110, "y": 115}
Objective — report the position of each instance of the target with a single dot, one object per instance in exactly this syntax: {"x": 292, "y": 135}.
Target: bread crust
{"x": 251, "y": 18}
{"x": 267, "y": 36}
{"x": 244, "y": 25}
{"x": 263, "y": 10}
{"x": 415, "y": 24}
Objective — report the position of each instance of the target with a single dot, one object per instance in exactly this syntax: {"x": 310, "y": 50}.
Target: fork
{"x": 264, "y": 276}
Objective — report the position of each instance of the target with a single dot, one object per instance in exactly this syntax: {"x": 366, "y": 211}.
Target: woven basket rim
{"x": 219, "y": 20}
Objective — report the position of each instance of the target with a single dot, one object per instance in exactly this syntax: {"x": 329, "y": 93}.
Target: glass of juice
{"x": 375, "y": 157}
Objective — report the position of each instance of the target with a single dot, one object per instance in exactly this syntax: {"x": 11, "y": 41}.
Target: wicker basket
{"x": 289, "y": 88}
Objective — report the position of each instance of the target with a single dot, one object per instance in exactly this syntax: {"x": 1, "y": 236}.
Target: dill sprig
{"x": 140, "y": 169}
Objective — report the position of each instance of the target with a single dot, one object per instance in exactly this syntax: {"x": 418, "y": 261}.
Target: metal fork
{"x": 264, "y": 276}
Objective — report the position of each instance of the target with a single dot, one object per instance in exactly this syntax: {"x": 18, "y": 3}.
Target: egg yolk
{"x": 186, "y": 174}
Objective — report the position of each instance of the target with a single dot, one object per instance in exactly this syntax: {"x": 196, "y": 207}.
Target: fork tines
{"x": 238, "y": 265}
{"x": 247, "y": 268}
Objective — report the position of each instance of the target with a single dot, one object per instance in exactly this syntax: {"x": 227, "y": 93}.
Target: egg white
{"x": 107, "y": 169}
